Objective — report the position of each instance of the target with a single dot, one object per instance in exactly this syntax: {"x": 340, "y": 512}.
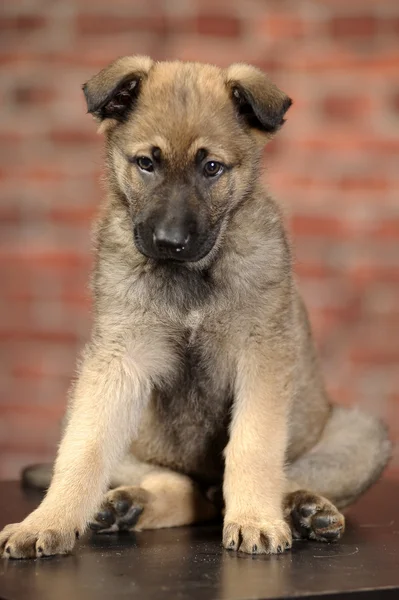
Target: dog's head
{"x": 183, "y": 142}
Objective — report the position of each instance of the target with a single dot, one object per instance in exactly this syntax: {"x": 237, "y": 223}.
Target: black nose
{"x": 172, "y": 238}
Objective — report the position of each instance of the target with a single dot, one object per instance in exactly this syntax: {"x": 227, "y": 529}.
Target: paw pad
{"x": 120, "y": 511}
{"x": 314, "y": 517}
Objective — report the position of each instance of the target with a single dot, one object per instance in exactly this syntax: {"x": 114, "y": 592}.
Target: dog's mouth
{"x": 191, "y": 248}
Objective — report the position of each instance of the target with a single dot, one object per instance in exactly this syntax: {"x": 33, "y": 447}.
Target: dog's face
{"x": 184, "y": 142}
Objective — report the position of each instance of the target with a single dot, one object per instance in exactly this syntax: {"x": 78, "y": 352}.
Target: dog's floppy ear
{"x": 260, "y": 103}
{"x": 111, "y": 94}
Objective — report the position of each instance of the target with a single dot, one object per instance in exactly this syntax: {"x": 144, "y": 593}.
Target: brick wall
{"x": 334, "y": 167}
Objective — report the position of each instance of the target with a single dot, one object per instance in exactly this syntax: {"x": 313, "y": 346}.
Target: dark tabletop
{"x": 189, "y": 562}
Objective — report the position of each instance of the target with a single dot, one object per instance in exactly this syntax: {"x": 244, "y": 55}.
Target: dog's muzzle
{"x": 173, "y": 242}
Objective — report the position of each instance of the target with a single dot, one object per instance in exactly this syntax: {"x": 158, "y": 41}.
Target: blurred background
{"x": 334, "y": 167}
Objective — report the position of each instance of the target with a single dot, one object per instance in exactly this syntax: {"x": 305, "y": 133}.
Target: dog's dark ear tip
{"x": 287, "y": 103}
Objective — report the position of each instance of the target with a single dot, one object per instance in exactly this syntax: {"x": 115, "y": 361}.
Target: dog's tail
{"x": 350, "y": 456}
{"x": 37, "y": 476}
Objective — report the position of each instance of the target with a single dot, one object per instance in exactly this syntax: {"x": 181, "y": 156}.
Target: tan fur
{"x": 166, "y": 499}
{"x": 201, "y": 372}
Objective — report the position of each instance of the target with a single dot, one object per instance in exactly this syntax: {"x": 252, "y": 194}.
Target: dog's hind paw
{"x": 313, "y": 517}
{"x": 120, "y": 510}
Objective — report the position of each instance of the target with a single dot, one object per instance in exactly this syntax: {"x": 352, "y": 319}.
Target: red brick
{"x": 39, "y": 336}
{"x": 380, "y": 299}
{"x": 79, "y": 215}
{"x": 50, "y": 361}
{"x": 22, "y": 23}
{"x": 313, "y": 269}
{"x": 370, "y": 354}
{"x": 44, "y": 259}
{"x": 395, "y": 102}
{"x": 220, "y": 26}
{"x": 361, "y": 183}
{"x": 341, "y": 141}
{"x": 281, "y": 26}
{"x": 28, "y": 372}
{"x": 269, "y": 64}
{"x": 9, "y": 215}
{"x": 11, "y": 137}
{"x": 111, "y": 24}
{"x": 310, "y": 225}
{"x": 29, "y": 428}
{"x": 39, "y": 174}
{"x": 354, "y": 26}
{"x": 370, "y": 273}
{"x": 33, "y": 95}
{"x": 394, "y": 25}
{"x": 71, "y": 137}
{"x": 334, "y": 167}
{"x": 387, "y": 229}
{"x": 345, "y": 107}
{"x": 378, "y": 65}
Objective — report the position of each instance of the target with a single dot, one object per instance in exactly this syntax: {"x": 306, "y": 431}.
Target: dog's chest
{"x": 188, "y": 420}
{"x": 200, "y": 391}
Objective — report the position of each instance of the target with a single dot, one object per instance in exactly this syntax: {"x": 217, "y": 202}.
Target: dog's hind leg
{"x": 151, "y": 497}
{"x": 349, "y": 457}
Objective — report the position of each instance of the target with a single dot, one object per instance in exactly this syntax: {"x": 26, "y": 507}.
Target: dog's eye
{"x": 213, "y": 168}
{"x": 145, "y": 164}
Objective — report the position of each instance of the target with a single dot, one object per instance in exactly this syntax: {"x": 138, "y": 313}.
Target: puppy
{"x": 200, "y": 371}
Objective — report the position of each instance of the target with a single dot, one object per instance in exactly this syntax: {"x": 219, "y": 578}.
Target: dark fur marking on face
{"x": 201, "y": 155}
{"x": 156, "y": 154}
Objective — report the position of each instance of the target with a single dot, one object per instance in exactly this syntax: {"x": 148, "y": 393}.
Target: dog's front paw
{"x": 257, "y": 537}
{"x": 25, "y": 540}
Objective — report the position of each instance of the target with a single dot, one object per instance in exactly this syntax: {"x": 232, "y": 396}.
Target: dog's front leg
{"x": 254, "y": 480}
{"x": 106, "y": 403}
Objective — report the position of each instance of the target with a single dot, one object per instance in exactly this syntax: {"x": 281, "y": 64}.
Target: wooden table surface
{"x": 189, "y": 562}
